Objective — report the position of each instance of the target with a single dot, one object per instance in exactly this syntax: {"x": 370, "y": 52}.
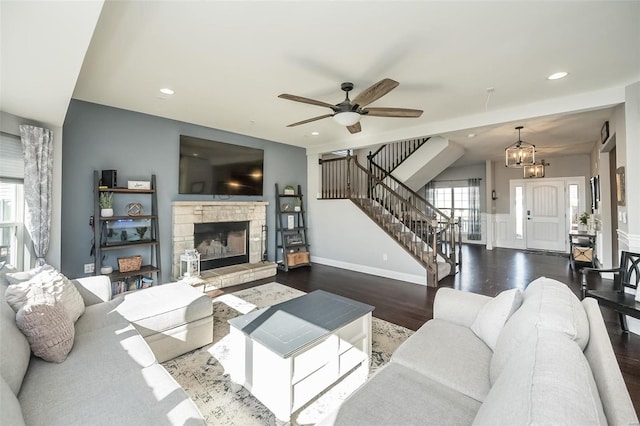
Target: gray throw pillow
{"x": 49, "y": 330}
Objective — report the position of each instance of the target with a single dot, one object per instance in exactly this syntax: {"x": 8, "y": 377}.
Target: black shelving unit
{"x": 152, "y": 244}
{"x": 292, "y": 243}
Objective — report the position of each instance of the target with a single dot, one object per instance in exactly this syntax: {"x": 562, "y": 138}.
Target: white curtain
{"x": 474, "y": 232}
{"x": 37, "y": 148}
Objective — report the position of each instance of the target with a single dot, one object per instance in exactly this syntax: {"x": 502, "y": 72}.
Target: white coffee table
{"x": 288, "y": 353}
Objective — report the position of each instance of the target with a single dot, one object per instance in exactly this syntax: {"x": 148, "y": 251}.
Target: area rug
{"x": 201, "y": 373}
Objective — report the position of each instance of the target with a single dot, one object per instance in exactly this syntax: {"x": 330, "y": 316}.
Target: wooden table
{"x": 287, "y": 354}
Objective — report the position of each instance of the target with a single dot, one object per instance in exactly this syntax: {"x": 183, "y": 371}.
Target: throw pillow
{"x": 51, "y": 282}
{"x": 494, "y": 314}
{"x": 47, "y": 326}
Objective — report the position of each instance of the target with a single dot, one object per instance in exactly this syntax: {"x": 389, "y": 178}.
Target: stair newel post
{"x": 459, "y": 241}
{"x": 348, "y": 176}
{"x": 370, "y": 168}
{"x": 452, "y": 227}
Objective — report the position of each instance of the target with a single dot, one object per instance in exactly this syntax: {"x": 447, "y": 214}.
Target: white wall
{"x": 341, "y": 235}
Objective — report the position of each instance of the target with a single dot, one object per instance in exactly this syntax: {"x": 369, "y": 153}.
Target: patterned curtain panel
{"x": 429, "y": 193}
{"x": 474, "y": 232}
{"x": 37, "y": 148}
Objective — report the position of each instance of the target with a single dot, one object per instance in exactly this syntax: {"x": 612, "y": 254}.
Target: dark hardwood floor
{"x": 483, "y": 271}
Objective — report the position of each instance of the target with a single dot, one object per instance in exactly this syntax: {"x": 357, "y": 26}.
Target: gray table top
{"x": 291, "y": 325}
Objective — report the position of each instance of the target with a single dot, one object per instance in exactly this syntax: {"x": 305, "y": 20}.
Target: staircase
{"x": 426, "y": 233}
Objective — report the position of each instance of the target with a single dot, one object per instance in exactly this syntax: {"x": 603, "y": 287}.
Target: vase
{"x": 582, "y": 227}
{"x": 106, "y": 212}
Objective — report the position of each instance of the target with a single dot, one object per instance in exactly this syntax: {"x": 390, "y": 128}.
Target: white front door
{"x": 545, "y": 215}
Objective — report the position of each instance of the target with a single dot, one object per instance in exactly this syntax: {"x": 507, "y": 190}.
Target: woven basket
{"x": 129, "y": 263}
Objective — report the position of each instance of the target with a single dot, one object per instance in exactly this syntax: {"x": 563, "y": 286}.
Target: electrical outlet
{"x": 385, "y": 257}
{"x": 89, "y": 268}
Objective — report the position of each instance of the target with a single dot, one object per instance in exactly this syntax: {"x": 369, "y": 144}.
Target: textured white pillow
{"x": 494, "y": 314}
{"x": 50, "y": 281}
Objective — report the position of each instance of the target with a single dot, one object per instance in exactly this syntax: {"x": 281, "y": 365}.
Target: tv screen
{"x": 210, "y": 167}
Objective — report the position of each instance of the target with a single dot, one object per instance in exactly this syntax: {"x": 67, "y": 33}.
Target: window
{"x": 11, "y": 201}
{"x": 574, "y": 203}
{"x": 454, "y": 201}
{"x": 519, "y": 212}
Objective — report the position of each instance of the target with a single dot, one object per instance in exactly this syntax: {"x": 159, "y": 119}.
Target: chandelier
{"x": 520, "y": 154}
{"x": 535, "y": 171}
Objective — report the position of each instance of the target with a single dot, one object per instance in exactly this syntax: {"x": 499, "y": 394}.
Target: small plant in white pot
{"x": 289, "y": 190}
{"x": 583, "y": 219}
{"x": 106, "y": 204}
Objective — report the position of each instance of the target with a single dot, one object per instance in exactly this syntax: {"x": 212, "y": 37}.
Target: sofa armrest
{"x": 94, "y": 289}
{"x": 458, "y": 307}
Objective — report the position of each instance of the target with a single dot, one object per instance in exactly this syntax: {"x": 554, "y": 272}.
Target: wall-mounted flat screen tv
{"x": 211, "y": 167}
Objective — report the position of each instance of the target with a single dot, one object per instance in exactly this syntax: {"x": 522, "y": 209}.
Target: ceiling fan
{"x": 348, "y": 112}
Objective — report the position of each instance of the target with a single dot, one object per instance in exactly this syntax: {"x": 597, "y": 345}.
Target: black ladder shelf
{"x": 292, "y": 244}
{"x": 148, "y": 246}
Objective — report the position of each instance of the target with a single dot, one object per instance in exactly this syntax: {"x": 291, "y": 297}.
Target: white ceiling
{"x": 228, "y": 61}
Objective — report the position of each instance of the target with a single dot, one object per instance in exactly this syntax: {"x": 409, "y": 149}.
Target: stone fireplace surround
{"x": 187, "y": 213}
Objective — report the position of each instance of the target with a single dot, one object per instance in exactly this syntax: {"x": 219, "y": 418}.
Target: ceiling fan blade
{"x": 393, "y": 112}
{"x": 354, "y": 128}
{"x": 310, "y": 120}
{"x": 306, "y": 100}
{"x": 375, "y": 92}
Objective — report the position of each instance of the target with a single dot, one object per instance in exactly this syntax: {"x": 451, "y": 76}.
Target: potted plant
{"x": 297, "y": 203}
{"x": 289, "y": 190}
{"x": 106, "y": 204}
{"x": 583, "y": 219}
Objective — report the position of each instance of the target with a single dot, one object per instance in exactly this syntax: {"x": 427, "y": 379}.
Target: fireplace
{"x": 188, "y": 215}
{"x": 221, "y": 243}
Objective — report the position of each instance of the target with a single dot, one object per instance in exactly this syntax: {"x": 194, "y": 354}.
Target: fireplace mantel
{"x": 187, "y": 213}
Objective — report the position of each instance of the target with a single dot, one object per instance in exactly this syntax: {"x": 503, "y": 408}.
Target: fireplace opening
{"x": 221, "y": 243}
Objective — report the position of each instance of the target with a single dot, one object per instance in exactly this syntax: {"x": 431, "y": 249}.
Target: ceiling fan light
{"x": 347, "y": 118}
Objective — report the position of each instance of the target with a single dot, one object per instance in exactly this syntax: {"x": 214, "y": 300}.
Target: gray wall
{"x": 137, "y": 145}
{"x": 567, "y": 166}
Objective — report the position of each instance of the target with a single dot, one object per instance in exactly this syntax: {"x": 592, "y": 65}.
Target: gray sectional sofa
{"x": 112, "y": 375}
{"x": 552, "y": 363}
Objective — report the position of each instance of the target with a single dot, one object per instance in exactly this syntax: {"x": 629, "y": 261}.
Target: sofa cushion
{"x": 105, "y": 363}
{"x": 449, "y": 354}
{"x": 493, "y": 315}
{"x": 547, "y": 381}
{"x": 49, "y": 280}
{"x": 164, "y": 307}
{"x": 5, "y": 269}
{"x": 101, "y": 315}
{"x": 403, "y": 397}
{"x": 108, "y": 395}
{"x": 15, "y": 352}
{"x": 546, "y": 304}
{"x": 10, "y": 414}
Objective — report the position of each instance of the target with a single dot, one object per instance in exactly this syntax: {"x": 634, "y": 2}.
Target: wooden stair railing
{"x": 398, "y": 216}
{"x": 389, "y": 156}
{"x": 449, "y": 229}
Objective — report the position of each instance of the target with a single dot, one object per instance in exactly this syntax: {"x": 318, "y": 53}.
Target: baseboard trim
{"x": 394, "y": 275}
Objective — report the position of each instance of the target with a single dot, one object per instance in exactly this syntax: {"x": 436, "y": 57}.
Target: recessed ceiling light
{"x": 167, "y": 91}
{"x": 315, "y": 133}
{"x": 471, "y": 135}
{"x": 557, "y": 75}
